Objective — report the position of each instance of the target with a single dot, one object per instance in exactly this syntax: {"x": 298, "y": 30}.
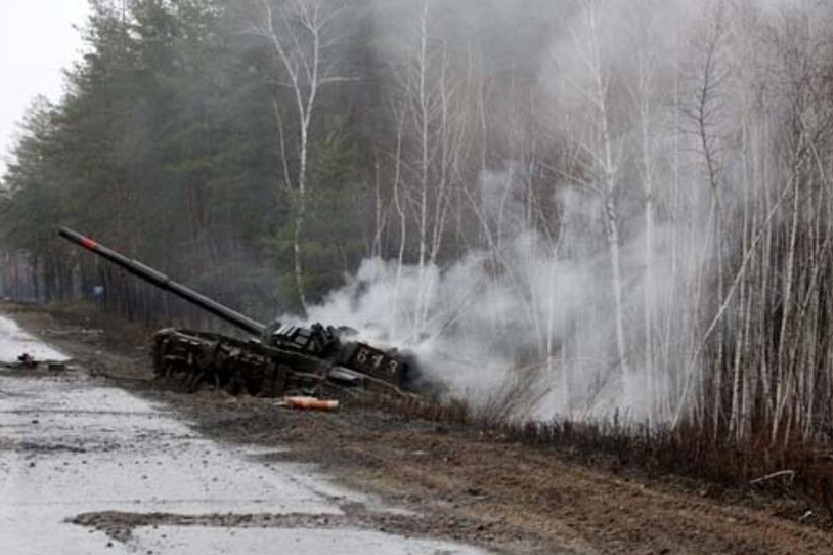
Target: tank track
{"x": 195, "y": 359}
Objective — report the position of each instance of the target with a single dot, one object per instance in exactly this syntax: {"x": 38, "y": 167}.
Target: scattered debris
{"x": 309, "y": 403}
{"x": 26, "y": 361}
{"x": 55, "y": 366}
{"x": 74, "y": 332}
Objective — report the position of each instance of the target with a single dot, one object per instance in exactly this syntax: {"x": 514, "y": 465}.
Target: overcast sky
{"x": 37, "y": 40}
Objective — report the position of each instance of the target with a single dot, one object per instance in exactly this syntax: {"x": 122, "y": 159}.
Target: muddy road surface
{"x": 86, "y": 467}
{"x": 104, "y": 460}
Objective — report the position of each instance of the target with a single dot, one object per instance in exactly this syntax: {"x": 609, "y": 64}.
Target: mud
{"x": 86, "y": 467}
{"x": 452, "y": 483}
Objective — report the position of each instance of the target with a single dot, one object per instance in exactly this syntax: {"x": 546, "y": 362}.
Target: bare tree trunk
{"x": 300, "y": 34}
{"x": 424, "y": 117}
{"x": 609, "y": 178}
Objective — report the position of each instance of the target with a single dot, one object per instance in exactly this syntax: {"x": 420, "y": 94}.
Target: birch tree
{"x": 603, "y": 154}
{"x": 430, "y": 139}
{"x": 303, "y": 36}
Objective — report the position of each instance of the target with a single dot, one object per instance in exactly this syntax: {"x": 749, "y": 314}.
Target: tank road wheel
{"x": 274, "y": 379}
{"x": 203, "y": 366}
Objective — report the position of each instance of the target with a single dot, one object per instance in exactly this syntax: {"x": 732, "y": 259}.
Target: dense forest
{"x": 628, "y": 204}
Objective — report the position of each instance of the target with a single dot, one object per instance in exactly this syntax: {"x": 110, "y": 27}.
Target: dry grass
{"x": 794, "y": 470}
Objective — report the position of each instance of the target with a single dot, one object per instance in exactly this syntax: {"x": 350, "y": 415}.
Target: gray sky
{"x": 37, "y": 40}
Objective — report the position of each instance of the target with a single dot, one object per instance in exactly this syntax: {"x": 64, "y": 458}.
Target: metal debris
{"x": 25, "y": 361}
{"x": 309, "y": 403}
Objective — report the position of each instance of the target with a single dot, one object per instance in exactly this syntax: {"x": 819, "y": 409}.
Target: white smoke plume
{"x": 495, "y": 316}
{"x": 540, "y": 305}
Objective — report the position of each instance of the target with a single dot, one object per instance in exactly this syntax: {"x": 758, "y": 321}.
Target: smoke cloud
{"x": 617, "y": 93}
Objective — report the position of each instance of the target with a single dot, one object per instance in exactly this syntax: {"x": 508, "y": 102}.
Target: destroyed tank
{"x": 275, "y": 360}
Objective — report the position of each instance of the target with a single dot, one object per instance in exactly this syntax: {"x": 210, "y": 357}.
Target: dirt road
{"x": 449, "y": 484}
{"x": 86, "y": 467}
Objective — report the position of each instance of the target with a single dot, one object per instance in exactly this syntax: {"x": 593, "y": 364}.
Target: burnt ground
{"x": 468, "y": 485}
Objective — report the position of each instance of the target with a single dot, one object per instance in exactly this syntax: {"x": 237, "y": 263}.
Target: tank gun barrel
{"x": 162, "y": 281}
